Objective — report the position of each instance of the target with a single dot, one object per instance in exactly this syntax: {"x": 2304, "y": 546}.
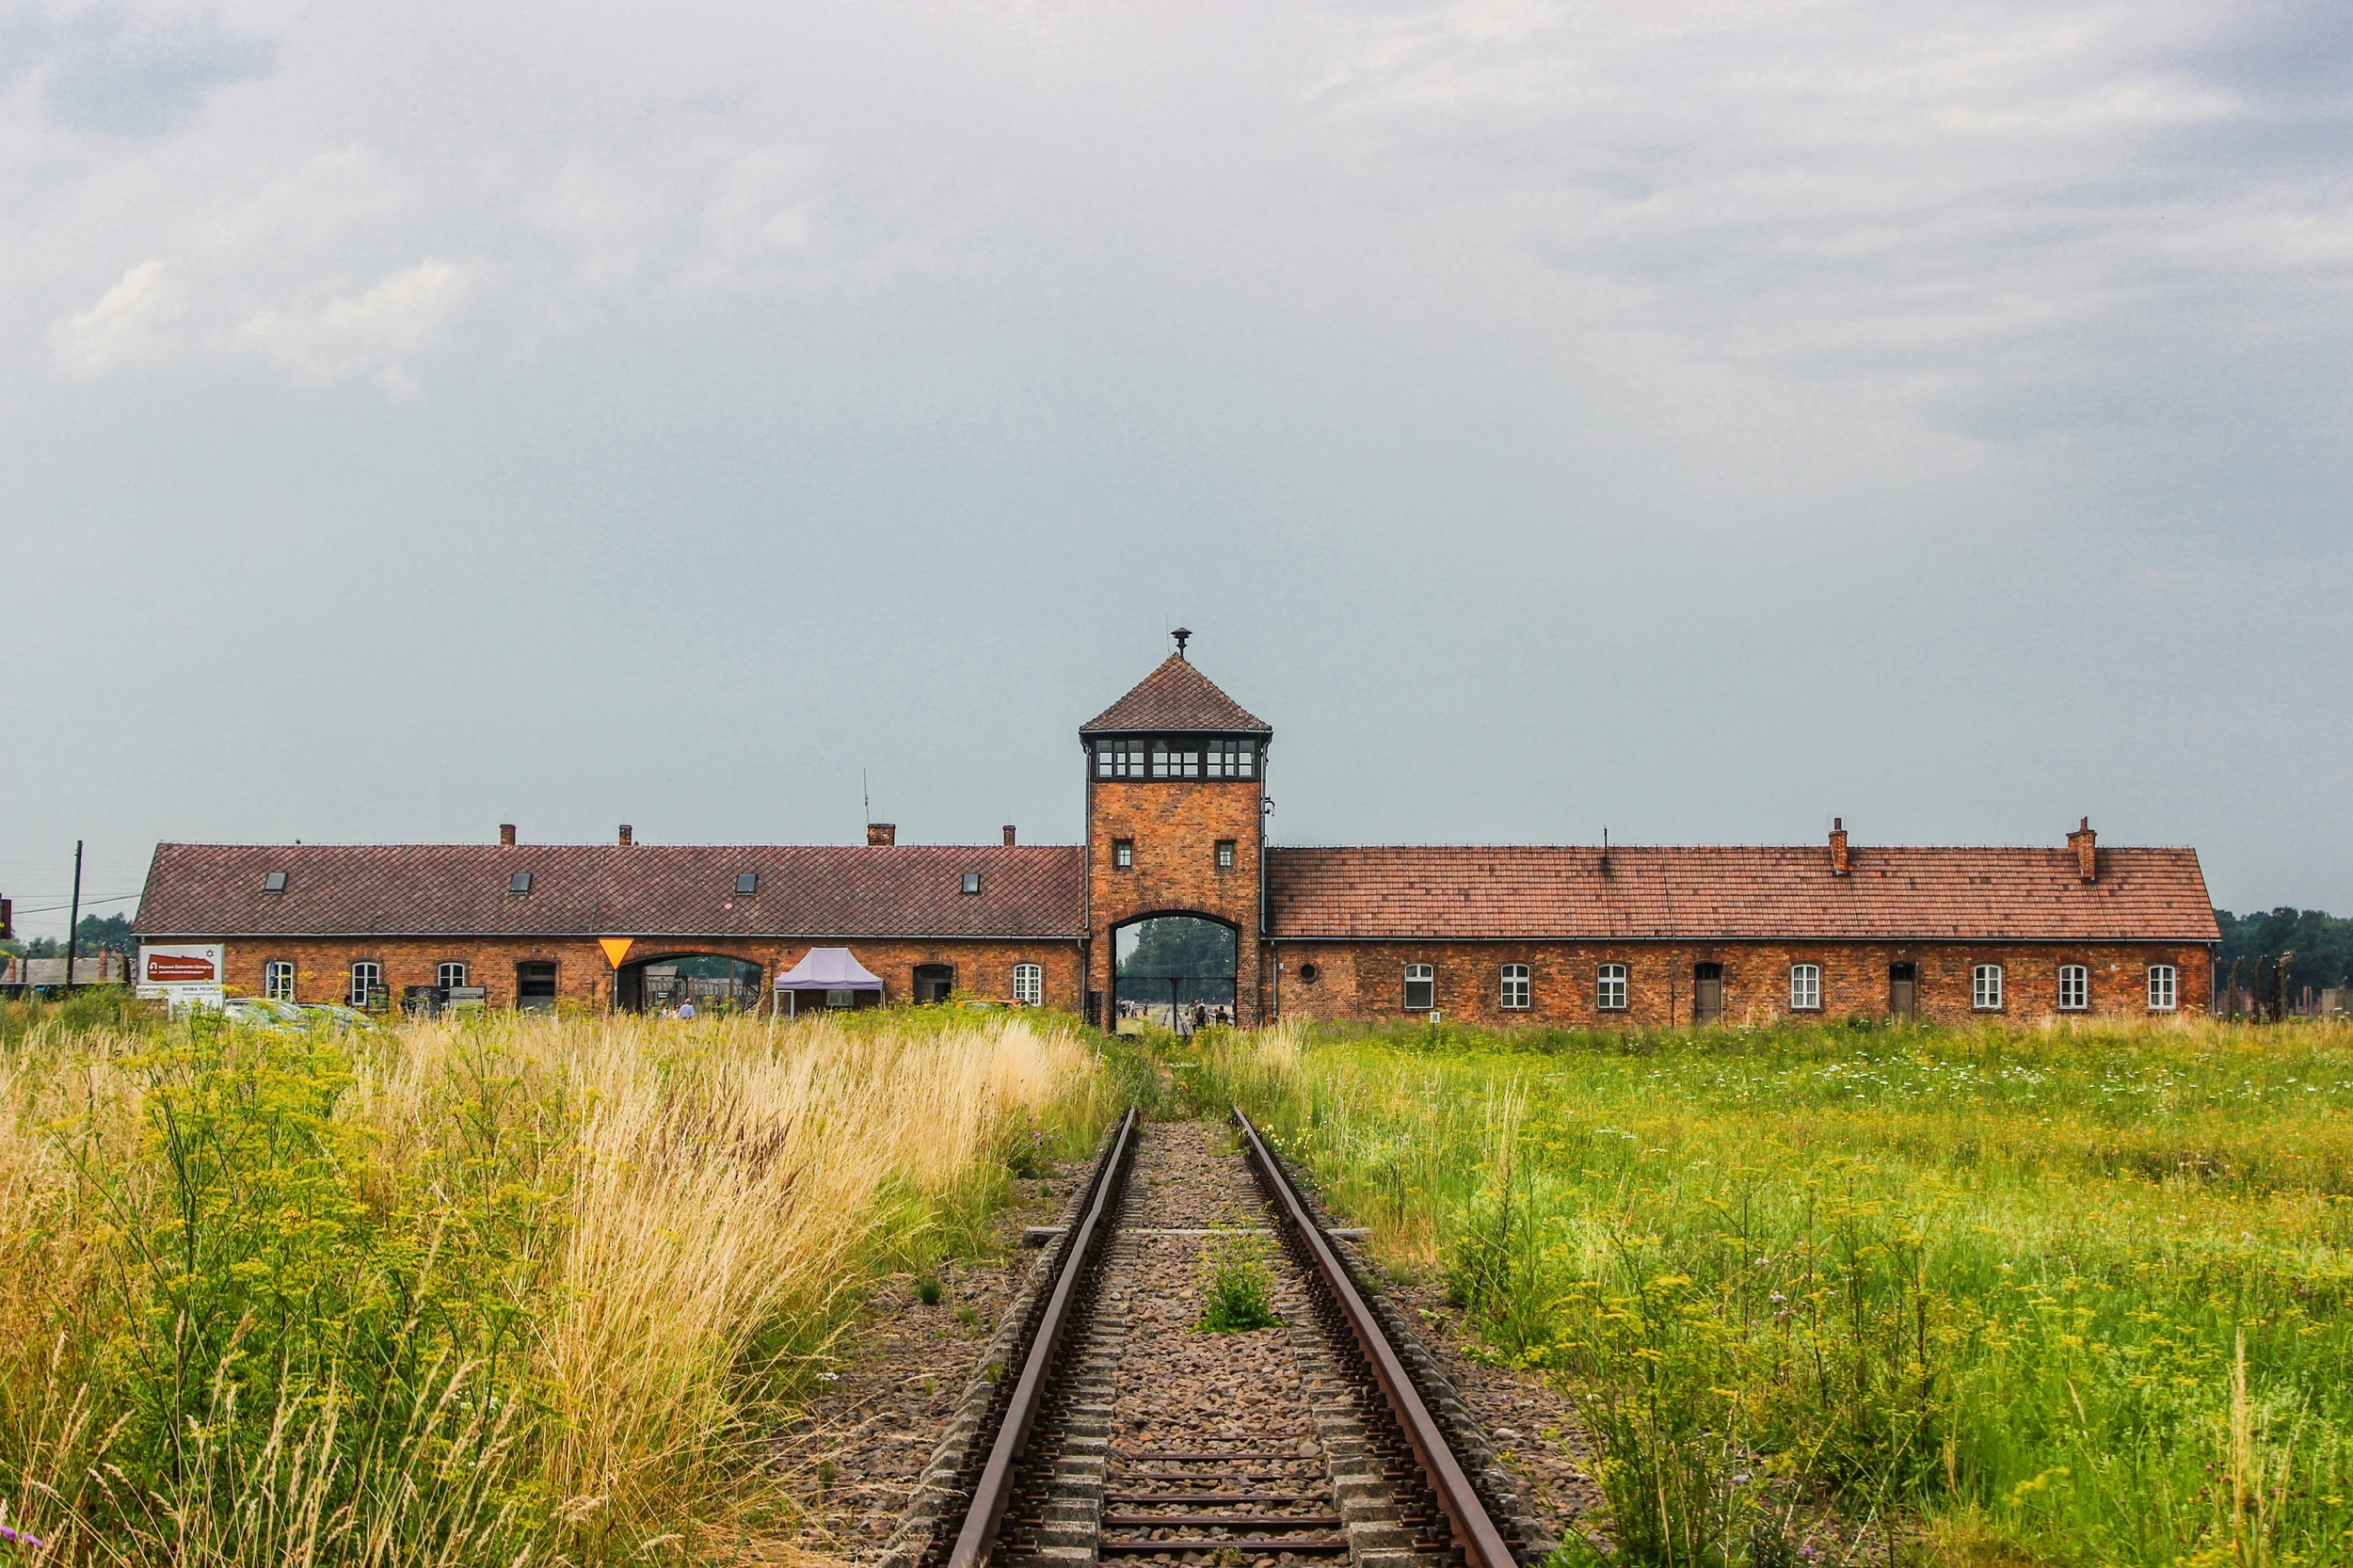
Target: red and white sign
{"x": 184, "y": 974}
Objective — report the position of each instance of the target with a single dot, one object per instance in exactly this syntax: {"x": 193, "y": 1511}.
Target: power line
{"x": 53, "y": 908}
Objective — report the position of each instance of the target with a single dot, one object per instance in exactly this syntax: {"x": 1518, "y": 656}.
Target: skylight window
{"x": 273, "y": 882}
{"x": 518, "y": 882}
{"x": 971, "y": 882}
{"x": 746, "y": 883}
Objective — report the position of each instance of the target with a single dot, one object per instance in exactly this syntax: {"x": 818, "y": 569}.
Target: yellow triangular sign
{"x": 616, "y": 947}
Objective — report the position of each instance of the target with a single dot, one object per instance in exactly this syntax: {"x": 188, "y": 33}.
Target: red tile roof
{"x": 1175, "y": 697}
{"x": 1696, "y": 893}
{"x": 1030, "y": 890}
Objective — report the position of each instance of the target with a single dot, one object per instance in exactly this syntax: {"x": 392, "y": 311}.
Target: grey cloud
{"x": 108, "y": 71}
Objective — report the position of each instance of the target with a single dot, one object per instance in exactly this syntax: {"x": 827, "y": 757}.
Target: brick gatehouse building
{"x": 1175, "y": 779}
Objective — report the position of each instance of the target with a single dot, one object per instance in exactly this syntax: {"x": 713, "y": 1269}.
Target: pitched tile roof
{"x": 1029, "y": 890}
{"x": 1737, "y": 892}
{"x": 1175, "y": 697}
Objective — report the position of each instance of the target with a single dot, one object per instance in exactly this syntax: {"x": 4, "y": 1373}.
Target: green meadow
{"x": 1836, "y": 1295}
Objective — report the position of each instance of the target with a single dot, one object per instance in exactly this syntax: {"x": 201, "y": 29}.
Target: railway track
{"x": 1105, "y": 1428}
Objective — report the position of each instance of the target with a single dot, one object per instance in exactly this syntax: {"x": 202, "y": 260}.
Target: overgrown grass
{"x": 2078, "y": 1296}
{"x": 496, "y": 1291}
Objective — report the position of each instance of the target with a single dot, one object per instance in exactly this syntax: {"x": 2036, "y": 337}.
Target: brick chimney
{"x": 1009, "y": 835}
{"x": 506, "y": 835}
{"x": 881, "y": 835}
{"x": 2084, "y": 842}
{"x": 629, "y": 835}
{"x": 1838, "y": 846}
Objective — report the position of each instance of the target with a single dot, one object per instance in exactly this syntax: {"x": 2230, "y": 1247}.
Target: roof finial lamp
{"x": 1182, "y": 636}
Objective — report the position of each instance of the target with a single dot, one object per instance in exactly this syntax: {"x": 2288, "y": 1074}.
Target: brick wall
{"x": 1364, "y": 981}
{"x": 1176, "y": 825}
{"x": 322, "y": 968}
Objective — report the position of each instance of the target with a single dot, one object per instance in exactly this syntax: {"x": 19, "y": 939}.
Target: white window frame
{"x": 1611, "y": 988}
{"x": 1029, "y": 984}
{"x": 445, "y": 968}
{"x": 1985, "y": 987}
{"x": 278, "y": 980}
{"x": 367, "y": 977}
{"x": 1805, "y": 988}
{"x": 2165, "y": 988}
{"x": 1421, "y": 974}
{"x": 1517, "y": 991}
{"x": 2074, "y": 988}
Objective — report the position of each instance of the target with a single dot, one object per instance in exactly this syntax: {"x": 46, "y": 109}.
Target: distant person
{"x": 686, "y": 1010}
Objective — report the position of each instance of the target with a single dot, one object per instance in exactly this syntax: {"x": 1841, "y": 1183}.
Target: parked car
{"x": 335, "y": 1015}
{"x": 279, "y": 1017}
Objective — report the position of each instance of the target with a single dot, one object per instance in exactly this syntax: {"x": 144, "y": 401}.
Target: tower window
{"x": 1805, "y": 988}
{"x": 1421, "y": 988}
{"x": 1232, "y": 758}
{"x": 1516, "y": 986}
{"x": 1609, "y": 989}
{"x": 2162, "y": 994}
{"x": 1119, "y": 759}
{"x": 1225, "y": 854}
{"x": 1123, "y": 854}
{"x": 1175, "y": 759}
{"x": 2074, "y": 988}
{"x": 1029, "y": 984}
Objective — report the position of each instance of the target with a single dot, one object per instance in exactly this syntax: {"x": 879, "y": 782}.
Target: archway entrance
{"x": 1173, "y": 970}
{"x": 713, "y": 982}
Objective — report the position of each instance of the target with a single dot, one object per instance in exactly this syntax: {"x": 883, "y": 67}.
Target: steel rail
{"x": 994, "y": 1489}
{"x": 1482, "y": 1546}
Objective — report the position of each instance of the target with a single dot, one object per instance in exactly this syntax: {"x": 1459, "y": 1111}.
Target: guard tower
{"x": 1176, "y": 822}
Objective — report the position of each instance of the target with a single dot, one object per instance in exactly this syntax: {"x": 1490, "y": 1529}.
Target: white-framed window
{"x": 1609, "y": 989}
{"x": 1985, "y": 987}
{"x": 278, "y": 980}
{"x": 1421, "y": 988}
{"x": 1029, "y": 984}
{"x": 1805, "y": 988}
{"x": 2164, "y": 991}
{"x": 1119, "y": 759}
{"x": 1232, "y": 758}
{"x": 2074, "y": 994}
{"x": 1123, "y": 854}
{"x": 1516, "y": 986}
{"x": 1175, "y": 759}
{"x": 1225, "y": 854}
{"x": 366, "y": 980}
{"x": 450, "y": 973}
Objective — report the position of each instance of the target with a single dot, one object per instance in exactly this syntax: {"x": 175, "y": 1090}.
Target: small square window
{"x": 1225, "y": 854}
{"x": 1123, "y": 854}
{"x": 1516, "y": 986}
{"x": 1421, "y": 988}
{"x": 746, "y": 884}
{"x": 518, "y": 882}
{"x": 273, "y": 882}
{"x": 971, "y": 882}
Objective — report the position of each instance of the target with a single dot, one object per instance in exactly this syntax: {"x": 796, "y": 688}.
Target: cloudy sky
{"x": 1693, "y": 418}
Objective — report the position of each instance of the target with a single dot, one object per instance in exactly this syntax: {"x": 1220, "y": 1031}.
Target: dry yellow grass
{"x": 598, "y": 1258}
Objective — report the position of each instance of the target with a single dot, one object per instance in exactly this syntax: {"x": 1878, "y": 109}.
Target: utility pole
{"x": 73, "y": 921}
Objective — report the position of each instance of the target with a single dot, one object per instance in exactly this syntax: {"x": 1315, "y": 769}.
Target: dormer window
{"x": 518, "y": 882}
{"x": 746, "y": 884}
{"x": 273, "y": 882}
{"x": 971, "y": 882}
